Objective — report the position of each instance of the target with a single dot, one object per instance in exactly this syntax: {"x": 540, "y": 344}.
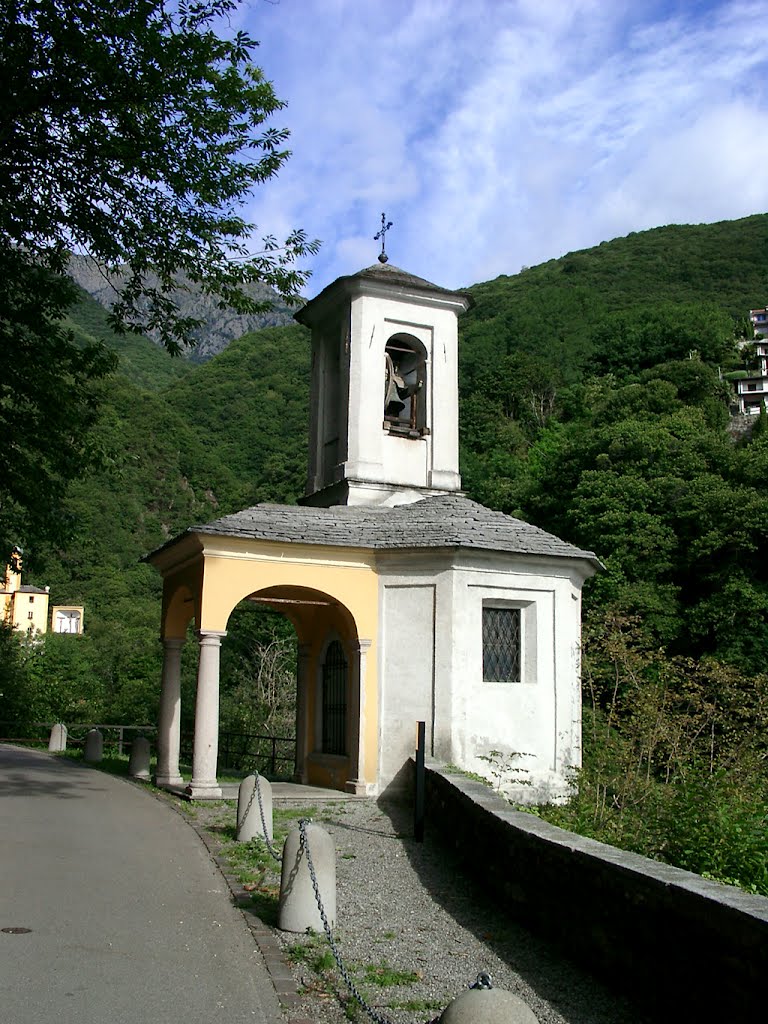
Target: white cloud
{"x": 498, "y": 133}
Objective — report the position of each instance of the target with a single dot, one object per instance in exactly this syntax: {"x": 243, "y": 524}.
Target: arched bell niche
{"x": 405, "y": 386}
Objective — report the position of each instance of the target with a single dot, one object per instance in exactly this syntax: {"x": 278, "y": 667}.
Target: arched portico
{"x": 325, "y": 592}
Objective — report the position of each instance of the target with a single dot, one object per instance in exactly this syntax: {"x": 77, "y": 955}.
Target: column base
{"x": 358, "y": 787}
{"x": 204, "y": 790}
{"x": 168, "y": 781}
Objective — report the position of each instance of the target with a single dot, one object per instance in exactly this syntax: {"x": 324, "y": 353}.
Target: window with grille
{"x": 334, "y": 702}
{"x": 501, "y": 645}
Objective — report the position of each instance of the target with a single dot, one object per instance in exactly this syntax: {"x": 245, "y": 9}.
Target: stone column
{"x": 302, "y": 713}
{"x": 356, "y": 722}
{"x": 204, "y": 784}
{"x": 169, "y": 720}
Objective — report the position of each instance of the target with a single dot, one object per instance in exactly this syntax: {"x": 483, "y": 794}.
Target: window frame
{"x": 527, "y": 640}
{"x": 324, "y": 731}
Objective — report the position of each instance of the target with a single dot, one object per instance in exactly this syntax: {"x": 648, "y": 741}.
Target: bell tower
{"x": 384, "y": 411}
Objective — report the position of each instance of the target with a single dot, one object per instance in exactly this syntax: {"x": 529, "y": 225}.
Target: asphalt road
{"x": 129, "y": 919}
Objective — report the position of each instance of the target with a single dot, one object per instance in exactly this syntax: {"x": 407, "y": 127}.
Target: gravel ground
{"x": 403, "y": 907}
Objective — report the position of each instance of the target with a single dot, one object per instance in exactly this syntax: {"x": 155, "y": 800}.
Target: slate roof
{"x": 391, "y": 274}
{"x": 388, "y": 274}
{"x": 25, "y": 589}
{"x": 442, "y": 521}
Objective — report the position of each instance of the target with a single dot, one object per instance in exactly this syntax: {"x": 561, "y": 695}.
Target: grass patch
{"x": 418, "y": 1005}
{"x": 252, "y": 862}
{"x": 453, "y": 769}
{"x": 113, "y": 764}
{"x": 314, "y": 953}
{"x": 264, "y": 903}
{"x": 386, "y": 976}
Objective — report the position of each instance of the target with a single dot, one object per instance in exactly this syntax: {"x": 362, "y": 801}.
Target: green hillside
{"x": 553, "y": 309}
{"x": 141, "y": 361}
{"x": 250, "y": 409}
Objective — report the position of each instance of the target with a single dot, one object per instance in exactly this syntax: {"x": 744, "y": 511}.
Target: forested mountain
{"x": 591, "y": 405}
{"x": 219, "y": 326}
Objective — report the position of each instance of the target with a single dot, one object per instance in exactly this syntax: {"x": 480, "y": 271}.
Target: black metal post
{"x": 421, "y": 784}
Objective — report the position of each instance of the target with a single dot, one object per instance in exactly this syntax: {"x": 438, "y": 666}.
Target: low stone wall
{"x": 684, "y": 947}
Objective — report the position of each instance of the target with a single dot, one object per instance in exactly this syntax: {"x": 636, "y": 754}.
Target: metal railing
{"x": 272, "y": 756}
{"x": 117, "y": 738}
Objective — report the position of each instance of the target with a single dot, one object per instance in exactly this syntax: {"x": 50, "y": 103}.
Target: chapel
{"x": 410, "y": 602}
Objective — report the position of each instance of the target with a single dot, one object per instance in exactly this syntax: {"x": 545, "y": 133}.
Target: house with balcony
{"x": 759, "y": 320}
{"x": 752, "y": 389}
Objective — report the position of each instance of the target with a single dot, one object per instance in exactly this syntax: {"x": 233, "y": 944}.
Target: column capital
{"x": 173, "y": 643}
{"x": 210, "y": 637}
{"x": 363, "y": 646}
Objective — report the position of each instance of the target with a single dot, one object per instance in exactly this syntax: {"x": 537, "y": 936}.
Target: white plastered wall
{"x": 430, "y": 461}
{"x": 432, "y": 666}
{"x": 539, "y": 717}
{"x": 414, "y": 672}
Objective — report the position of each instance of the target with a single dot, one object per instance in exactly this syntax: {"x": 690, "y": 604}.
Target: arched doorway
{"x": 257, "y": 693}
{"x": 330, "y": 672}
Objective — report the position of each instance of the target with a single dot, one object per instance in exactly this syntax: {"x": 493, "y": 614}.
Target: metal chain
{"x": 241, "y": 822}
{"x": 483, "y": 979}
{"x": 273, "y": 852}
{"x": 256, "y": 792}
{"x": 304, "y": 848}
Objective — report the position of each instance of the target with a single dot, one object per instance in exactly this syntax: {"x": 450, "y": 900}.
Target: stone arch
{"x": 180, "y": 607}
{"x": 317, "y": 591}
{"x": 320, "y": 619}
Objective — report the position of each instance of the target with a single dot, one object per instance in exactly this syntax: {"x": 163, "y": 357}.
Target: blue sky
{"x": 498, "y": 134}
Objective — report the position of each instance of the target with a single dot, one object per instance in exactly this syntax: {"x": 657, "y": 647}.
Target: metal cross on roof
{"x": 385, "y": 226}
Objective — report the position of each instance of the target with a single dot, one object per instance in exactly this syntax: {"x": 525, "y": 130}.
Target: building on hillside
{"x": 410, "y": 602}
{"x": 759, "y": 320}
{"x": 67, "y": 618}
{"x": 25, "y": 608}
{"x": 752, "y": 390}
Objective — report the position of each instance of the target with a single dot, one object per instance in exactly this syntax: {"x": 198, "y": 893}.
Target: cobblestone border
{"x": 275, "y": 961}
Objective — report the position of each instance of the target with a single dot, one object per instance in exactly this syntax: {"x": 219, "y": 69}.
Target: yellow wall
{"x": 206, "y": 577}
{"x": 16, "y": 605}
{"x": 24, "y": 603}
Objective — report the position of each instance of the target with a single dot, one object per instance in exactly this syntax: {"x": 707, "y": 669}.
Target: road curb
{"x": 276, "y": 963}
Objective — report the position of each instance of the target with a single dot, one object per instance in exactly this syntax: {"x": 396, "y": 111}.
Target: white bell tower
{"x": 384, "y": 412}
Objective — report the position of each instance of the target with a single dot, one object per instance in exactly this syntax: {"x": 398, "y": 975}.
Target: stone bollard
{"x": 138, "y": 762}
{"x": 488, "y": 1006}
{"x": 58, "y": 739}
{"x": 249, "y": 823}
{"x": 94, "y": 746}
{"x": 298, "y": 908}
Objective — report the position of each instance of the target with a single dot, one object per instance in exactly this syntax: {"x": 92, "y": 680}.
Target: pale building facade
{"x": 410, "y": 602}
{"x": 752, "y": 390}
